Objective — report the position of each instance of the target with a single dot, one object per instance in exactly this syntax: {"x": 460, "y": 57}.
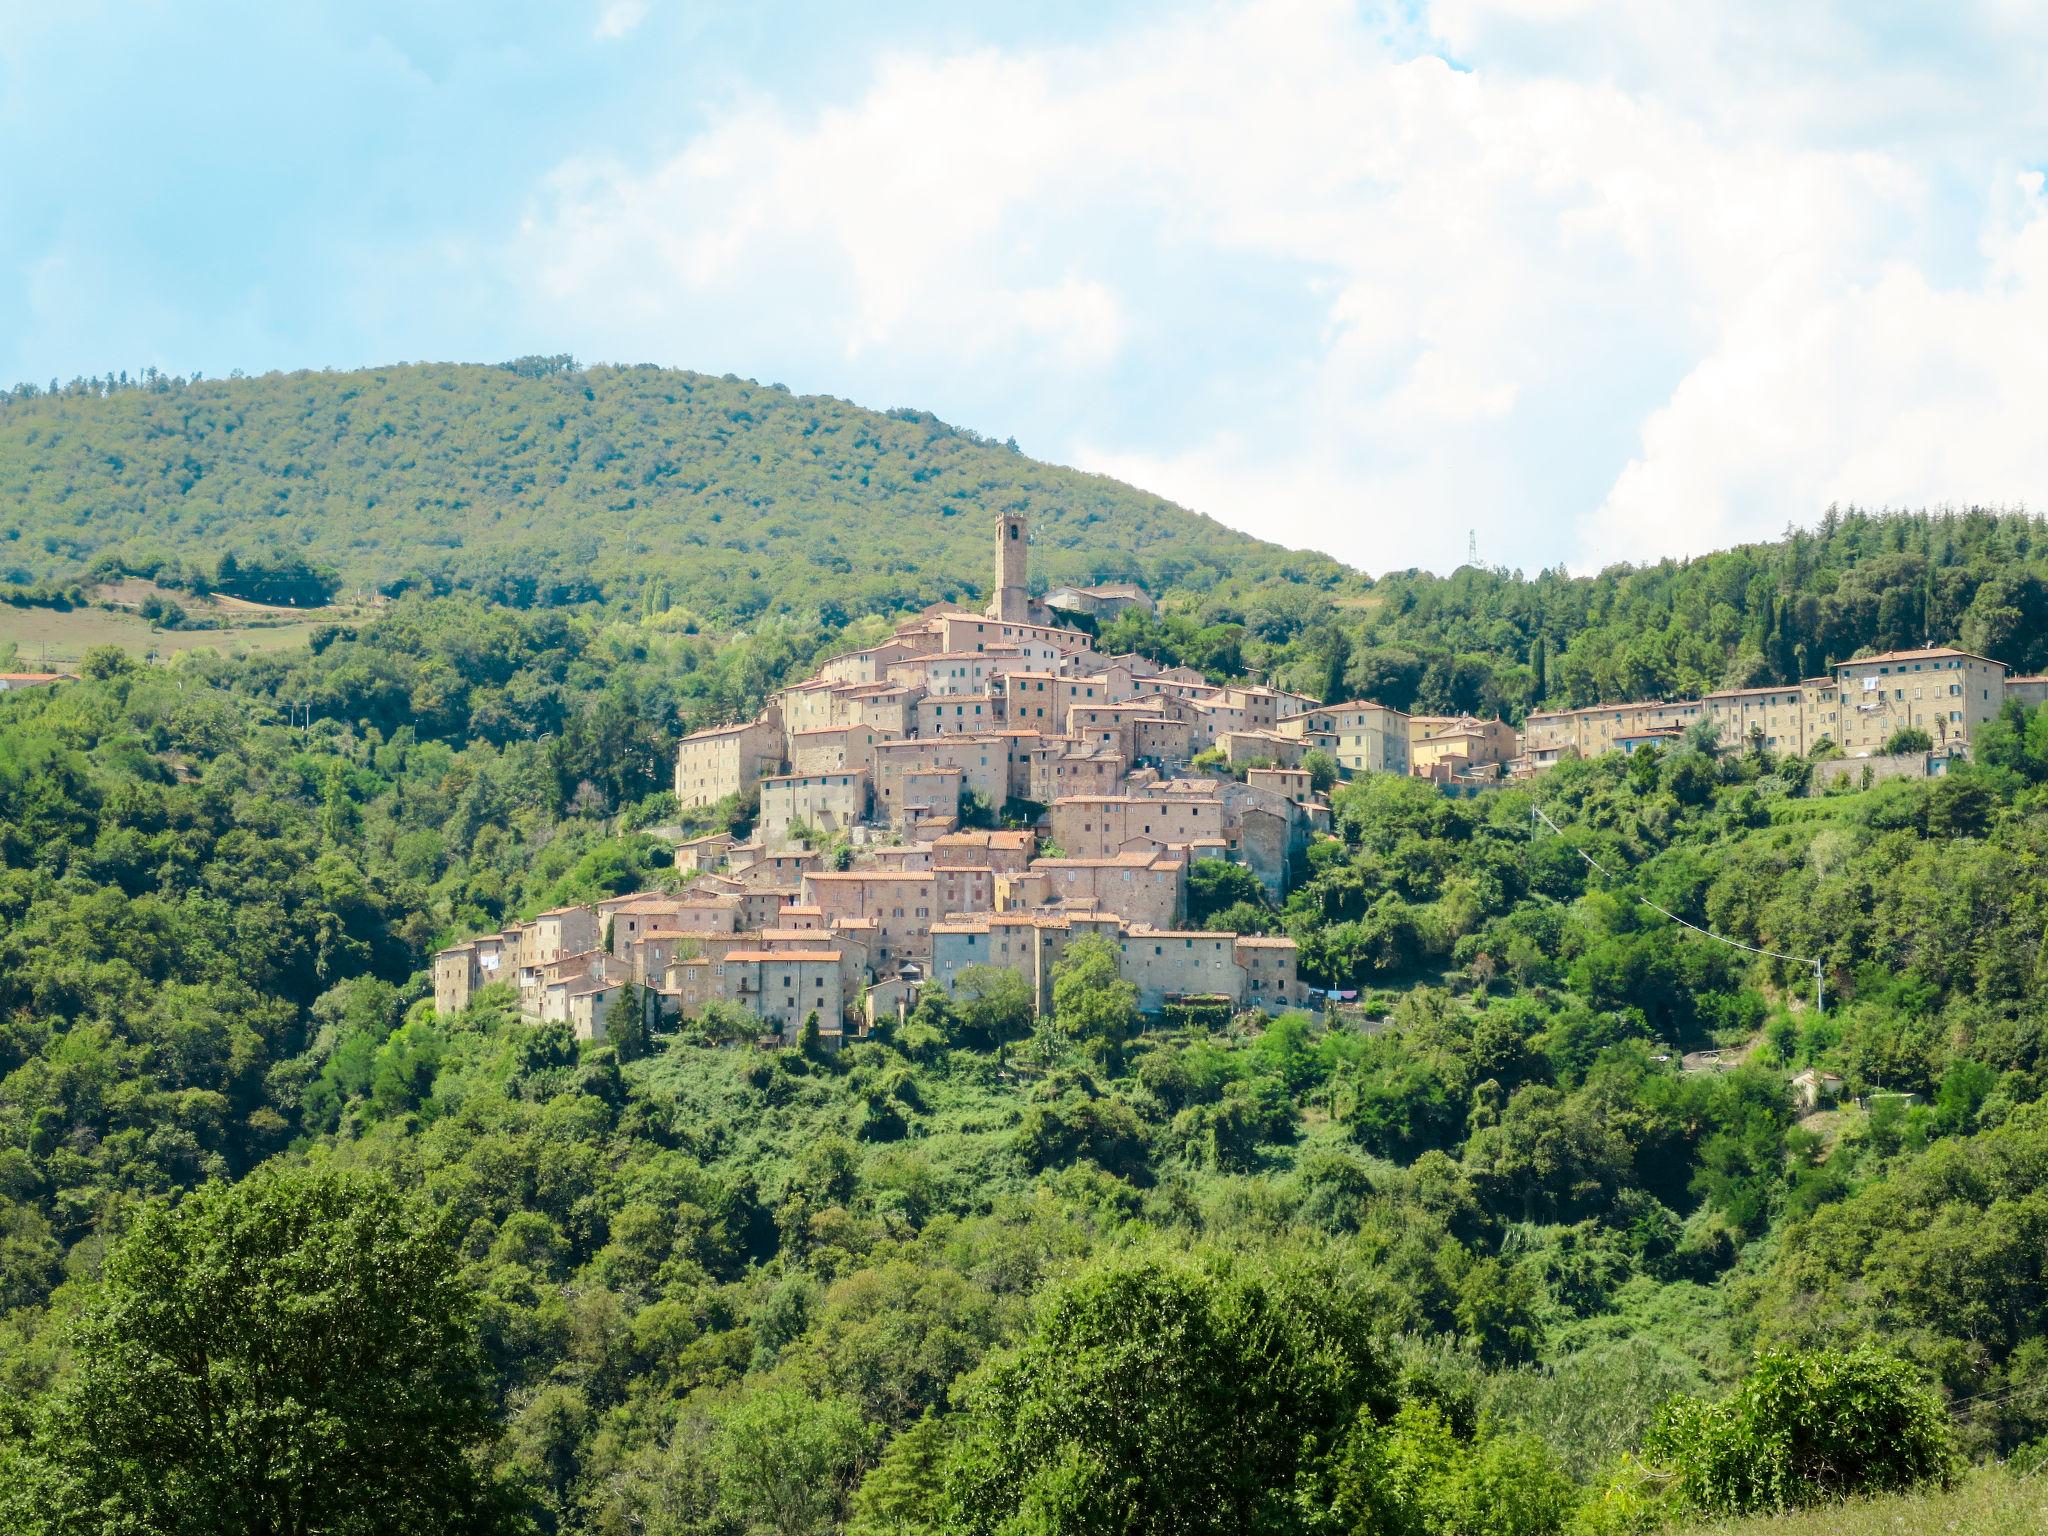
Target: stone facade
{"x": 829, "y": 802}
{"x": 711, "y": 765}
{"x": 1945, "y": 692}
{"x": 957, "y": 715}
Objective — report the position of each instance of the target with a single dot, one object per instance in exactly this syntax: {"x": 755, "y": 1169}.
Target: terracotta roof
{"x": 1116, "y": 861}
{"x": 719, "y": 730}
{"x": 863, "y": 874}
{"x": 819, "y": 955}
{"x": 1930, "y": 654}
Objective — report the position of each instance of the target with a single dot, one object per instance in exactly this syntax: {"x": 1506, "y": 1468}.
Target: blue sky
{"x": 1595, "y": 279}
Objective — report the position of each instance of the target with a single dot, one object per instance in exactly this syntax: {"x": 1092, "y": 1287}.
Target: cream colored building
{"x": 827, "y": 802}
{"x": 1139, "y": 887}
{"x": 1102, "y": 826}
{"x": 1164, "y": 964}
{"x": 1363, "y": 737}
{"x": 1945, "y": 692}
{"x": 1460, "y": 741}
{"x": 711, "y": 765}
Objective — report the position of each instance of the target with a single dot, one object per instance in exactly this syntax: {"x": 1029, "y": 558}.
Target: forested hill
{"x": 1758, "y": 615}
{"x": 541, "y": 482}
{"x": 700, "y": 502}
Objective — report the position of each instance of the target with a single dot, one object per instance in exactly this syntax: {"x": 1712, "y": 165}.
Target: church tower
{"x": 1013, "y": 597}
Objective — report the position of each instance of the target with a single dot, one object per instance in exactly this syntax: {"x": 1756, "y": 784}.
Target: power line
{"x": 1819, "y": 973}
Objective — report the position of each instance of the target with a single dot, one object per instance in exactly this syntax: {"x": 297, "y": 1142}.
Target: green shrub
{"x": 1805, "y": 1428}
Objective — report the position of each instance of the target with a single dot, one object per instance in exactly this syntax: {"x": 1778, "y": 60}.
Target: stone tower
{"x": 1013, "y": 597}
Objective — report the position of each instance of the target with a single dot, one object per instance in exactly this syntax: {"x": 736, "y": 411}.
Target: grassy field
{"x": 1983, "y": 1504}
{"x": 53, "y": 640}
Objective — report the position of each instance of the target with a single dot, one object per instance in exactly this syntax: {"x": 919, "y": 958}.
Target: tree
{"x": 903, "y": 1495}
{"x": 293, "y": 1353}
{"x": 1152, "y": 1396}
{"x": 1091, "y": 1004}
{"x": 1908, "y": 738}
{"x": 786, "y": 1462}
{"x": 625, "y": 1023}
{"x": 1214, "y": 884}
{"x": 1321, "y": 769}
{"x": 1805, "y": 1428}
{"x": 103, "y": 662}
{"x": 991, "y": 1006}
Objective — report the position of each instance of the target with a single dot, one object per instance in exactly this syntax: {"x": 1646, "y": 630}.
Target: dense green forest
{"x": 540, "y": 483}
{"x": 1487, "y": 1256}
{"x": 1498, "y": 643}
{"x": 718, "y": 504}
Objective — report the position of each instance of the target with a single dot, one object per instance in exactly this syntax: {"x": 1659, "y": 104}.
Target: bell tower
{"x": 1013, "y": 597}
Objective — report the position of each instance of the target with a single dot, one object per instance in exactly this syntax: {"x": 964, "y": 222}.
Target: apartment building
{"x": 1945, "y": 692}
{"x": 1458, "y": 742}
{"x": 982, "y": 761}
{"x": 1062, "y": 766}
{"x": 833, "y": 749}
{"x": 1165, "y": 965}
{"x": 1941, "y": 690}
{"x": 462, "y": 970}
{"x": 1042, "y": 701}
{"x": 1105, "y": 601}
{"x": 1140, "y": 886}
{"x": 958, "y": 714}
{"x": 1241, "y": 747}
{"x": 1361, "y": 736}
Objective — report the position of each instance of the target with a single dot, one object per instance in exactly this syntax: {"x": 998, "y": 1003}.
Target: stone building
{"x": 1945, "y": 692}
{"x": 729, "y": 760}
{"x": 1101, "y": 826}
{"x": 829, "y": 802}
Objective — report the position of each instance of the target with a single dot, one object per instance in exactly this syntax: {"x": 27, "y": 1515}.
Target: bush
{"x": 1908, "y": 738}
{"x": 1154, "y": 1397}
{"x": 1805, "y": 1428}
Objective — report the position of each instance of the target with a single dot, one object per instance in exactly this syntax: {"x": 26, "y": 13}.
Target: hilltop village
{"x": 986, "y": 788}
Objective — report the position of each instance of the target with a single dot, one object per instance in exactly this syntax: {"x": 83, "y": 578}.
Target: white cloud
{"x": 1590, "y": 313}
{"x": 1891, "y": 393}
{"x": 617, "y": 18}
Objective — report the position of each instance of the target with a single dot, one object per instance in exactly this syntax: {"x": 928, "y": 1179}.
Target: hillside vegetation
{"x": 1450, "y": 1256}
{"x": 719, "y": 503}
{"x": 539, "y": 482}
{"x": 1989, "y": 1504}
{"x": 1758, "y": 615}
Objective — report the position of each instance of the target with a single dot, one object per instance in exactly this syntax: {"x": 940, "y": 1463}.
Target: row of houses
{"x": 845, "y": 945}
{"x": 870, "y": 869}
{"x": 885, "y": 756}
{"x": 1859, "y": 706}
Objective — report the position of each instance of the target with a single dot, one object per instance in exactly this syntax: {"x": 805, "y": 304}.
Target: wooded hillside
{"x": 539, "y": 482}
